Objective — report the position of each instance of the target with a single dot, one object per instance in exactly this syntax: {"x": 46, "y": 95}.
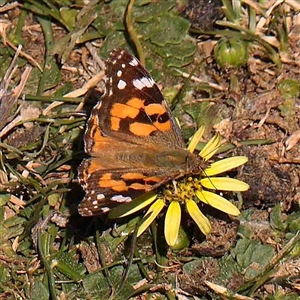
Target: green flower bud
{"x": 231, "y": 53}
{"x": 182, "y": 240}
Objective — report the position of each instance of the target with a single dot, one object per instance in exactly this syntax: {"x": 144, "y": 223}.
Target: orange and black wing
{"x": 131, "y": 110}
{"x": 134, "y": 143}
{"x": 106, "y": 189}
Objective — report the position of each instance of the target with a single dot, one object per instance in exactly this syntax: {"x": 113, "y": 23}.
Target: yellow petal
{"x": 172, "y": 223}
{"x": 151, "y": 214}
{"x": 218, "y": 202}
{"x": 133, "y": 206}
{"x": 224, "y": 184}
{"x": 196, "y": 138}
{"x": 201, "y": 221}
{"x": 211, "y": 147}
{"x": 224, "y": 165}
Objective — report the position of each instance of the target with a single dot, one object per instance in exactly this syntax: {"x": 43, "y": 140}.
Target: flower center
{"x": 181, "y": 190}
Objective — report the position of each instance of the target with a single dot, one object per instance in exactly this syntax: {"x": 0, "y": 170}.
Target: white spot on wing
{"x": 123, "y": 66}
{"x": 138, "y": 84}
{"x": 100, "y": 196}
{"x": 86, "y": 211}
{"x": 105, "y": 209}
{"x": 148, "y": 82}
{"x": 143, "y": 82}
{"x": 119, "y": 73}
{"x": 120, "y": 198}
{"x": 134, "y": 62}
{"x": 121, "y": 84}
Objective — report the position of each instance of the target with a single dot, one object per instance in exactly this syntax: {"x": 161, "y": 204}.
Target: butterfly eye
{"x": 195, "y": 164}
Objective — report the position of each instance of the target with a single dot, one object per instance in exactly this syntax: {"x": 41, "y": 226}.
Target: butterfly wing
{"x": 132, "y": 109}
{"x": 118, "y": 175}
{"x": 108, "y": 188}
{"x": 134, "y": 143}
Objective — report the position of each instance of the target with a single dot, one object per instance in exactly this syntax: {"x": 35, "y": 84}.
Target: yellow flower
{"x": 189, "y": 193}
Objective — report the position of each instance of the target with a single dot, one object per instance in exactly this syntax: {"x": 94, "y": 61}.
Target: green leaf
{"x": 13, "y": 221}
{"x": 115, "y": 39}
{"x": 39, "y": 291}
{"x": 276, "y": 218}
{"x": 102, "y": 25}
{"x": 4, "y": 274}
{"x": 52, "y": 73}
{"x": 117, "y": 10}
{"x": 69, "y": 16}
{"x": 228, "y": 268}
{"x": 181, "y": 51}
{"x": 289, "y": 88}
{"x": 193, "y": 266}
{"x": 96, "y": 284}
{"x": 252, "y": 256}
{"x": 178, "y": 63}
{"x": 167, "y": 29}
{"x": 293, "y": 222}
{"x": 4, "y": 198}
{"x": 152, "y": 11}
{"x": 66, "y": 264}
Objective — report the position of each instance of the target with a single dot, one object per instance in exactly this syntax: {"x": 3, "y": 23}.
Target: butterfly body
{"x": 133, "y": 141}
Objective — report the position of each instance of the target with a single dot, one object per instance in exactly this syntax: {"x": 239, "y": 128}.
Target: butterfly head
{"x": 195, "y": 164}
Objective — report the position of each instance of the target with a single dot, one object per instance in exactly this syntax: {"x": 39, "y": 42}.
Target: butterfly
{"x": 134, "y": 143}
